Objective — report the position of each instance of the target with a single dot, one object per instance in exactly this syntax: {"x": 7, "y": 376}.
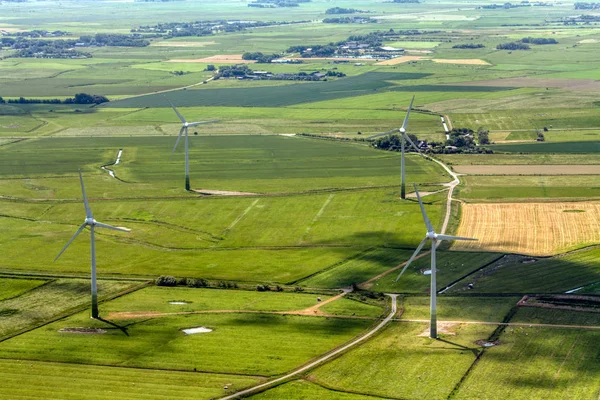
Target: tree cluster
{"x": 513, "y": 46}
{"x": 38, "y": 33}
{"x": 80, "y": 98}
{"x": 468, "y": 46}
{"x": 260, "y": 57}
{"x": 340, "y": 10}
{"x": 393, "y": 143}
{"x": 204, "y": 27}
{"x": 277, "y": 3}
{"x": 114, "y": 39}
{"x": 587, "y": 6}
{"x": 533, "y": 40}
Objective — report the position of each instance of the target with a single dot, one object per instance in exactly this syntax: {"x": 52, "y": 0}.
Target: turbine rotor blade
{"x": 425, "y": 217}
{"x": 384, "y": 134}
{"x": 412, "y": 144}
{"x": 88, "y": 210}
{"x": 176, "y": 112}
{"x": 202, "y": 123}
{"x": 70, "y": 241}
{"x": 114, "y": 228}
{"x": 178, "y": 139}
{"x": 405, "y": 124}
{"x": 450, "y": 237}
{"x": 410, "y": 260}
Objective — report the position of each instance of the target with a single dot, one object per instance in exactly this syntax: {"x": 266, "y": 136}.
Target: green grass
{"x": 551, "y": 275}
{"x": 346, "y": 306}
{"x": 537, "y": 363}
{"x": 304, "y": 390}
{"x": 254, "y": 344}
{"x": 10, "y": 287}
{"x": 505, "y": 188}
{"x": 20, "y": 380}
{"x": 519, "y": 159}
{"x": 157, "y": 299}
{"x": 49, "y": 301}
{"x": 358, "y": 270}
{"x": 399, "y": 361}
{"x": 451, "y": 266}
{"x": 535, "y": 315}
{"x": 487, "y": 309}
{"x": 548, "y": 147}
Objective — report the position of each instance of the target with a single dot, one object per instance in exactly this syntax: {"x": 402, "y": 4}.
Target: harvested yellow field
{"x": 468, "y": 61}
{"x": 539, "y": 229}
{"x": 399, "y": 60}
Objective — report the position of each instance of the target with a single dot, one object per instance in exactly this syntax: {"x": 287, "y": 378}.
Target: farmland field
{"x": 287, "y": 248}
{"x": 542, "y": 228}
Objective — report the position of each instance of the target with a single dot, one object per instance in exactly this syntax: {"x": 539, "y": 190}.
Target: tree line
{"x": 80, "y": 98}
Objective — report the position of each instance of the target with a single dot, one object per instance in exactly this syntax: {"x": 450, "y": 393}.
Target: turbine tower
{"x": 184, "y": 128}
{"x": 403, "y": 136}
{"x": 92, "y": 223}
{"x": 435, "y": 238}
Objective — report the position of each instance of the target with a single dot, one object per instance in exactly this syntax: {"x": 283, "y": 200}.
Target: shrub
{"x": 166, "y": 280}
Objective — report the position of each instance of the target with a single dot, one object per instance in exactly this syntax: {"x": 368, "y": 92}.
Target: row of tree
{"x": 80, "y": 98}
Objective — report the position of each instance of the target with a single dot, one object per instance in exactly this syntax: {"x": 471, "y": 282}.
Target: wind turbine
{"x": 92, "y": 223}
{"x": 435, "y": 238}
{"x": 403, "y": 137}
{"x": 184, "y": 128}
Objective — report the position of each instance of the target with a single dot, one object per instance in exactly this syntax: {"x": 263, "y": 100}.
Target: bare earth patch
{"x": 221, "y": 58}
{"x": 400, "y": 60}
{"x": 445, "y": 328}
{"x": 528, "y": 169}
{"x": 222, "y": 192}
{"x": 584, "y": 41}
{"x": 587, "y": 85}
{"x": 182, "y": 44}
{"x": 86, "y": 331}
{"x": 541, "y": 229}
{"x": 468, "y": 61}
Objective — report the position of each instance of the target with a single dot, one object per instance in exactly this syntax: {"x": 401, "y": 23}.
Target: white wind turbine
{"x": 92, "y": 223}
{"x": 435, "y": 238}
{"x": 403, "y": 136}
{"x": 184, "y": 128}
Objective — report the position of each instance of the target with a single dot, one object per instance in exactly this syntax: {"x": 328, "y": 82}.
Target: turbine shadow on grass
{"x": 460, "y": 346}
{"x": 123, "y": 328}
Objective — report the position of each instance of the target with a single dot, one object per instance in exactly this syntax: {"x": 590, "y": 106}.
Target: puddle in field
{"x": 200, "y": 329}
{"x": 179, "y": 302}
{"x": 427, "y": 272}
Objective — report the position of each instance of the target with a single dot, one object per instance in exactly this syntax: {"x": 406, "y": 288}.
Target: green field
{"x": 310, "y": 206}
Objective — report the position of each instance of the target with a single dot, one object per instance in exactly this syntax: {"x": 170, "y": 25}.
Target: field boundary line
{"x": 316, "y": 382}
{"x": 451, "y": 284}
{"x": 320, "y": 360}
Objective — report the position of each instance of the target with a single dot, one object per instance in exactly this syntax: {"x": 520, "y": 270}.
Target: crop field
{"x": 529, "y": 228}
{"x": 528, "y": 169}
{"x": 306, "y": 390}
{"x": 10, "y": 287}
{"x": 480, "y": 309}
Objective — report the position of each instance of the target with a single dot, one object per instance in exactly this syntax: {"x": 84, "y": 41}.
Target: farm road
{"x": 321, "y": 360}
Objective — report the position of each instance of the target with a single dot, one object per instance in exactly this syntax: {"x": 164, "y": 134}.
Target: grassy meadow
{"x": 316, "y": 212}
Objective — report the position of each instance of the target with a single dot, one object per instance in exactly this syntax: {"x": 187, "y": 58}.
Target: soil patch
{"x": 400, "y": 60}
{"x": 445, "y": 328}
{"x": 221, "y": 58}
{"x": 222, "y": 192}
{"x": 467, "y": 61}
{"x": 485, "y": 343}
{"x": 528, "y": 169}
{"x": 85, "y": 331}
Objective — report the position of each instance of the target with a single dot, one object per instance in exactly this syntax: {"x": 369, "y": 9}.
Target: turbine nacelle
{"x": 90, "y": 221}
{"x": 402, "y": 131}
{"x": 431, "y": 235}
